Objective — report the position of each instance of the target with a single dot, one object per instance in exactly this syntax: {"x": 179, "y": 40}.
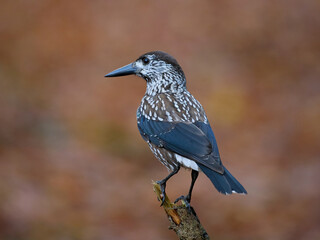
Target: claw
{"x": 185, "y": 199}
{"x": 163, "y": 182}
{"x": 186, "y": 202}
{"x": 163, "y": 191}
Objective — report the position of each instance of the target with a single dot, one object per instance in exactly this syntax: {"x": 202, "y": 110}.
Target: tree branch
{"x": 182, "y": 220}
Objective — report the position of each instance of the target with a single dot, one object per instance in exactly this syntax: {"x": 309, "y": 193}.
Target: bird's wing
{"x": 186, "y": 139}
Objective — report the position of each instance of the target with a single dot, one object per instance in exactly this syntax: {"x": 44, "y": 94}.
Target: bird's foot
{"x": 163, "y": 191}
{"x": 185, "y": 199}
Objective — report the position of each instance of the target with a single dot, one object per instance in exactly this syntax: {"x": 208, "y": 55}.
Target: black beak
{"x": 123, "y": 71}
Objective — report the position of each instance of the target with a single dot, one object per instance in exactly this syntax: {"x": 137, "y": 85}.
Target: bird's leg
{"x": 187, "y": 199}
{"x": 163, "y": 182}
{"x": 194, "y": 176}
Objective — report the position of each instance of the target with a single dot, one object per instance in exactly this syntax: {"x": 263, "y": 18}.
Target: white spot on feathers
{"x": 187, "y": 163}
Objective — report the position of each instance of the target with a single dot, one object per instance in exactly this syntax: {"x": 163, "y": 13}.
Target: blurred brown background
{"x": 72, "y": 163}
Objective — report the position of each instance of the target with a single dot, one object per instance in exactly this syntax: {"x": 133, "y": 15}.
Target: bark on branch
{"x": 182, "y": 220}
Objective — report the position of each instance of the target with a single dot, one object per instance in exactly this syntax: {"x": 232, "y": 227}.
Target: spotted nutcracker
{"x": 174, "y": 123}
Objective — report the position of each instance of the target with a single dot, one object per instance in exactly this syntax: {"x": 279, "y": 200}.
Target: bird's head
{"x": 160, "y": 70}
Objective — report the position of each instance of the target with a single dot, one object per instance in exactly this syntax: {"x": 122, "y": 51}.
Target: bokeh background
{"x": 72, "y": 163}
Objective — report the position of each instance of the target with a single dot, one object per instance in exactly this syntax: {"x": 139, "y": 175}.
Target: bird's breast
{"x": 172, "y": 108}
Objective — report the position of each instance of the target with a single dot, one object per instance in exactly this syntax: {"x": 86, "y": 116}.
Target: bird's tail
{"x": 225, "y": 183}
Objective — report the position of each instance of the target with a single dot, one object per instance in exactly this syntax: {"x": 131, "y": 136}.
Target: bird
{"x": 175, "y": 126}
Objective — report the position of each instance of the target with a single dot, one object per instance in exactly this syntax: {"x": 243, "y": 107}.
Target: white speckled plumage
{"x": 167, "y": 99}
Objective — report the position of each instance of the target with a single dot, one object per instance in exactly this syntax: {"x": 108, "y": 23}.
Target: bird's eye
{"x": 145, "y": 60}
